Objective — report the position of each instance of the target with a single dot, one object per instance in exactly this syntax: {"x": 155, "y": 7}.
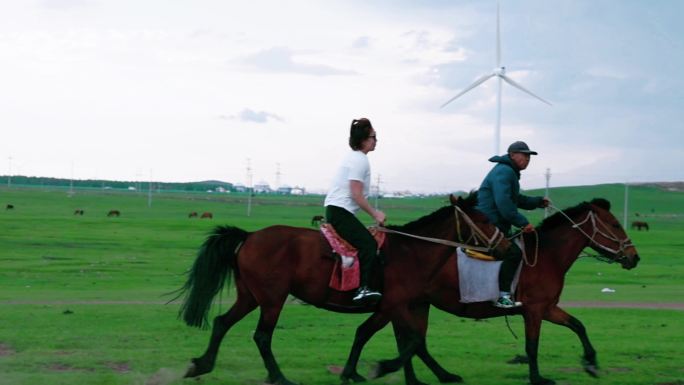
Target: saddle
{"x": 346, "y": 272}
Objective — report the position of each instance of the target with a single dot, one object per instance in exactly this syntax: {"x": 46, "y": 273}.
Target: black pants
{"x": 353, "y": 231}
{"x": 511, "y": 261}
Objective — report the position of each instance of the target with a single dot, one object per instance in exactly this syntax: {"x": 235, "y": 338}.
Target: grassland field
{"x": 82, "y": 298}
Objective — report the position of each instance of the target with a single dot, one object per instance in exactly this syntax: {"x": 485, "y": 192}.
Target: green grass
{"x": 81, "y": 298}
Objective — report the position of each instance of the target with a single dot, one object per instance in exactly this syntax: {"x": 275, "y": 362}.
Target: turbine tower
{"x": 500, "y": 73}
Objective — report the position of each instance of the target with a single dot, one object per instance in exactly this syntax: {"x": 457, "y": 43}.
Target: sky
{"x": 179, "y": 91}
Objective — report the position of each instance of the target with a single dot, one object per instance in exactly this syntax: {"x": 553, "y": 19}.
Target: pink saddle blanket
{"x": 346, "y": 272}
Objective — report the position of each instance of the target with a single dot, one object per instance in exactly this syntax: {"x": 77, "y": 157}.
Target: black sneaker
{"x": 365, "y": 295}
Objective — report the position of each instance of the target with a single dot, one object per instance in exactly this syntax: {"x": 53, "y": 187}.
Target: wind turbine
{"x": 500, "y": 73}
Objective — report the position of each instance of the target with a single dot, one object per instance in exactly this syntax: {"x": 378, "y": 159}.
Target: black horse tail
{"x": 212, "y": 269}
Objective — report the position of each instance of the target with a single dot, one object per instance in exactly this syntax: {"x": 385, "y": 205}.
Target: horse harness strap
{"x": 597, "y": 223}
{"x": 478, "y": 235}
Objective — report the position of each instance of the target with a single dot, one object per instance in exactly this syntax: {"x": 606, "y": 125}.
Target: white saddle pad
{"x": 479, "y": 280}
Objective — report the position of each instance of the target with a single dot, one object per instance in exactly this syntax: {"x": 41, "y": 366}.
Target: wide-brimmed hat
{"x": 522, "y": 147}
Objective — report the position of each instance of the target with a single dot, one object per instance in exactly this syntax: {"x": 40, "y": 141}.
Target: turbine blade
{"x": 523, "y": 89}
{"x": 498, "y": 38}
{"x": 470, "y": 87}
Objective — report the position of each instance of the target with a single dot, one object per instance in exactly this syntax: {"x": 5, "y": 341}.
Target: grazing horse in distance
{"x": 548, "y": 255}
{"x": 268, "y": 264}
{"x": 316, "y": 220}
{"x": 639, "y": 224}
{"x": 9, "y": 207}
{"x": 79, "y": 212}
{"x": 192, "y": 214}
{"x": 113, "y": 213}
{"x": 207, "y": 214}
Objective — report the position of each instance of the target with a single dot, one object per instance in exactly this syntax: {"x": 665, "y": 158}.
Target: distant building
{"x": 239, "y": 187}
{"x": 262, "y": 188}
{"x": 297, "y": 191}
{"x": 284, "y": 190}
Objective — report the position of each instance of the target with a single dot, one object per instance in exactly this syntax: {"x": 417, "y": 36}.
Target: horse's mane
{"x": 466, "y": 203}
{"x": 558, "y": 218}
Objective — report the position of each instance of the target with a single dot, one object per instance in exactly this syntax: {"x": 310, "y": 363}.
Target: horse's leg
{"x": 421, "y": 314}
{"x": 263, "y": 336}
{"x": 533, "y": 320}
{"x": 560, "y": 317}
{"x": 364, "y": 333}
{"x": 244, "y": 304}
{"x": 411, "y": 340}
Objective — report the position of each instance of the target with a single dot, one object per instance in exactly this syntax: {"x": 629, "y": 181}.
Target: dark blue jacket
{"x": 499, "y": 196}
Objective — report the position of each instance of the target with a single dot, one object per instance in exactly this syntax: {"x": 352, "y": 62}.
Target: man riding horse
{"x": 499, "y": 198}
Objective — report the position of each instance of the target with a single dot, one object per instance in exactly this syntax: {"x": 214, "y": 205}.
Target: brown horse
{"x": 114, "y": 213}
{"x": 316, "y": 220}
{"x": 9, "y": 207}
{"x": 79, "y": 212}
{"x": 192, "y": 214}
{"x": 271, "y": 263}
{"x": 207, "y": 214}
{"x": 561, "y": 238}
{"x": 639, "y": 225}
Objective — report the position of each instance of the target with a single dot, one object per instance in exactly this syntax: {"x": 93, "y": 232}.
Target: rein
{"x": 600, "y": 227}
{"x": 478, "y": 235}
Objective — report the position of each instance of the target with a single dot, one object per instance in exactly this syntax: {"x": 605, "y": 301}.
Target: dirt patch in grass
{"x": 119, "y": 367}
{"x": 6, "y": 350}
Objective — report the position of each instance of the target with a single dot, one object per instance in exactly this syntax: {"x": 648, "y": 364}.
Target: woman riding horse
{"x": 561, "y": 238}
{"x": 269, "y": 264}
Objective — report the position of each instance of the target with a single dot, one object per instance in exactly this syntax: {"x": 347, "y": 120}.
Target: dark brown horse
{"x": 561, "y": 238}
{"x": 114, "y": 213}
{"x": 271, "y": 263}
{"x": 639, "y": 225}
{"x": 79, "y": 212}
{"x": 207, "y": 215}
{"x": 9, "y": 207}
{"x": 192, "y": 214}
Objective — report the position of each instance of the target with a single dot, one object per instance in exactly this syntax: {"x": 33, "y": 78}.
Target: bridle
{"x": 599, "y": 227}
{"x": 477, "y": 236}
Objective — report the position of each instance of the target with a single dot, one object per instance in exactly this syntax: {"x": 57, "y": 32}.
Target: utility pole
{"x": 548, "y": 178}
{"x": 626, "y": 204}
{"x": 9, "y": 173}
{"x": 149, "y": 192}
{"x": 71, "y": 182}
{"x": 249, "y": 187}
{"x": 278, "y": 174}
{"x": 377, "y": 192}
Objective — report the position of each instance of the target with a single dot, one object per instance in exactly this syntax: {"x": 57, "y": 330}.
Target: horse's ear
{"x": 453, "y": 199}
{"x": 602, "y": 203}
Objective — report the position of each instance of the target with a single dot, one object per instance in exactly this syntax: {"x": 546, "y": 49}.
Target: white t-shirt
{"x": 355, "y": 166}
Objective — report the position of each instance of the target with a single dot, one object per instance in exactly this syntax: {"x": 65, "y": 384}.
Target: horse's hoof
{"x": 542, "y": 381}
{"x": 197, "y": 369}
{"x": 415, "y": 382}
{"x": 592, "y": 370}
{"x": 191, "y": 372}
{"x": 353, "y": 377}
{"x": 451, "y": 378}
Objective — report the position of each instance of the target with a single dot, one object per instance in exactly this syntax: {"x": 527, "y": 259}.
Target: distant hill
{"x": 32, "y": 181}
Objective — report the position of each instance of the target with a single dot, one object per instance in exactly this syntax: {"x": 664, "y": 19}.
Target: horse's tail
{"x": 211, "y": 270}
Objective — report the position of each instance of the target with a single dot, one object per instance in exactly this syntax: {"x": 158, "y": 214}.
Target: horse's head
{"x": 473, "y": 227}
{"x": 608, "y": 237}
